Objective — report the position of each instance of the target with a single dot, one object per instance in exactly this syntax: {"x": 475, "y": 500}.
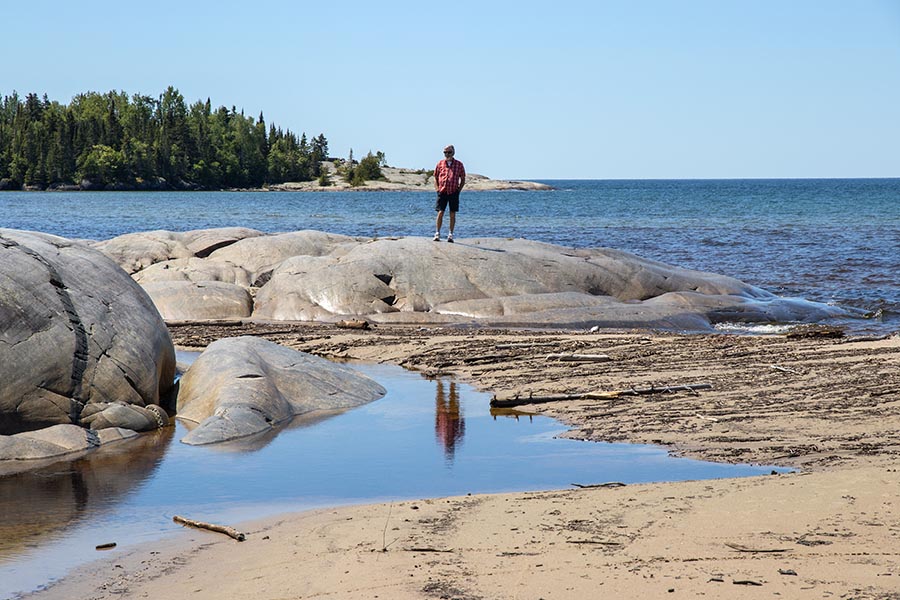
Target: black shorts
{"x": 444, "y": 199}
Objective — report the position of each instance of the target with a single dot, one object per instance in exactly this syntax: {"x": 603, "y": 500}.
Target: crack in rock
{"x": 81, "y": 354}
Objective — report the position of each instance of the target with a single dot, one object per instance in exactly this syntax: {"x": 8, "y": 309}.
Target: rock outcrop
{"x": 75, "y": 331}
{"x": 404, "y": 180}
{"x": 311, "y": 275}
{"x": 204, "y": 300}
{"x": 244, "y": 386}
{"x": 55, "y": 442}
{"x": 136, "y": 251}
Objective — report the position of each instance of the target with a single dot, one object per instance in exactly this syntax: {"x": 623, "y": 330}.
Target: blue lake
{"x": 828, "y": 240}
{"x": 425, "y": 438}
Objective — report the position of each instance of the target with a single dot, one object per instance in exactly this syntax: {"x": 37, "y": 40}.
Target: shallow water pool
{"x": 425, "y": 438}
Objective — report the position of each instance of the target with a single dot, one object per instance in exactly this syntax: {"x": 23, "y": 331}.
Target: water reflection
{"x": 37, "y": 506}
{"x": 511, "y": 413}
{"x": 449, "y": 423}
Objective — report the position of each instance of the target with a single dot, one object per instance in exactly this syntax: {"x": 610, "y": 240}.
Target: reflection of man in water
{"x": 449, "y": 424}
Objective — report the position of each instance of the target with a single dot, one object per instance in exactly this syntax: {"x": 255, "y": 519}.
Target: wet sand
{"x": 829, "y": 407}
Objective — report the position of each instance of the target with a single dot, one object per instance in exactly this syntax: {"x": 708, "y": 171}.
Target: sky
{"x": 626, "y": 89}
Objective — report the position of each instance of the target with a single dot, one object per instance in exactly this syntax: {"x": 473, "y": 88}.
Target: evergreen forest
{"x": 115, "y": 142}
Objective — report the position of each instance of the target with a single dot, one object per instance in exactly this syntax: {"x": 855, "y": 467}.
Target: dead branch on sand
{"x": 229, "y": 531}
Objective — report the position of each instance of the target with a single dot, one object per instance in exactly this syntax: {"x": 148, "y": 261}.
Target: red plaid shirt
{"x": 448, "y": 177}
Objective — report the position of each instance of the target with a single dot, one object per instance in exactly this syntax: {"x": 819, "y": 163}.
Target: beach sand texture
{"x": 830, "y": 407}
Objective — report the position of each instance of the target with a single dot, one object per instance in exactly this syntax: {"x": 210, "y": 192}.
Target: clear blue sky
{"x": 534, "y": 90}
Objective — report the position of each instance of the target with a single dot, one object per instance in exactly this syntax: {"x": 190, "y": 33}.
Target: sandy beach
{"x": 827, "y": 406}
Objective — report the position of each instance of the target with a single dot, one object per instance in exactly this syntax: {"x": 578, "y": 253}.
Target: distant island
{"x": 395, "y": 179}
{"x": 117, "y": 142}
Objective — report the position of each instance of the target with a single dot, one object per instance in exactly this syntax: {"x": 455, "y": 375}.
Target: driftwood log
{"x": 519, "y": 400}
{"x": 609, "y": 484}
{"x": 352, "y": 324}
{"x": 229, "y": 531}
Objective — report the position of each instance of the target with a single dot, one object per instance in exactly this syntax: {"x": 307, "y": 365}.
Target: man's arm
{"x": 437, "y": 167}
{"x": 462, "y": 177}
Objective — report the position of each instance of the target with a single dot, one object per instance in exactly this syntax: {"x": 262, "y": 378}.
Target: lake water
{"x": 425, "y": 438}
{"x": 834, "y": 241}
{"x": 829, "y": 240}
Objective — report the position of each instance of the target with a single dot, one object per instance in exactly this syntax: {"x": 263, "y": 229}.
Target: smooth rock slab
{"x": 244, "y": 386}
{"x": 316, "y": 276}
{"x": 75, "y": 330}
{"x": 136, "y": 251}
{"x": 514, "y": 282}
{"x": 56, "y": 441}
{"x": 208, "y": 300}
{"x": 258, "y": 255}
{"x": 127, "y": 416}
{"x": 194, "y": 269}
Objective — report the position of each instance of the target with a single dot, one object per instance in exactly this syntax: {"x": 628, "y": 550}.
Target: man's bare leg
{"x": 440, "y": 220}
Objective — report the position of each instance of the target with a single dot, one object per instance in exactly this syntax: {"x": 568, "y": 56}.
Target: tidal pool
{"x": 425, "y": 438}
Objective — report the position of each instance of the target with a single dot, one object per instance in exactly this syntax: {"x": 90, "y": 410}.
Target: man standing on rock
{"x": 449, "y": 179}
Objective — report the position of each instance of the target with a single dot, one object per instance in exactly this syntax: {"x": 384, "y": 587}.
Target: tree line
{"x": 113, "y": 141}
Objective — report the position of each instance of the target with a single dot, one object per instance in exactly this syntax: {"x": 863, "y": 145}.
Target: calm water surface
{"x": 829, "y": 240}
{"x": 425, "y": 438}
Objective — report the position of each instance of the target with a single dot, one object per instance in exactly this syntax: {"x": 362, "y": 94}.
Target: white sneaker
{"x": 450, "y": 237}
{"x": 437, "y": 236}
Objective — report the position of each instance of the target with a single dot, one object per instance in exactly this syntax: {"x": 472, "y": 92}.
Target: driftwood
{"x": 108, "y": 546}
{"x": 610, "y": 484}
{"x": 229, "y": 531}
{"x": 519, "y": 400}
{"x": 815, "y": 331}
{"x": 579, "y": 357}
{"x": 216, "y": 322}
{"x": 352, "y": 324}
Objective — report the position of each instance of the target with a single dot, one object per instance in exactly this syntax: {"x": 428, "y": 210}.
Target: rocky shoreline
{"x": 827, "y": 406}
{"x": 409, "y": 180}
{"x": 815, "y": 400}
{"x": 77, "y": 358}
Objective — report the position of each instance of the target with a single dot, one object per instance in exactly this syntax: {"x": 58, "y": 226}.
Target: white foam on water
{"x": 753, "y": 328}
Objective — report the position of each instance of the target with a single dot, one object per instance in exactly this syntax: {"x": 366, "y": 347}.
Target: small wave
{"x": 753, "y": 328}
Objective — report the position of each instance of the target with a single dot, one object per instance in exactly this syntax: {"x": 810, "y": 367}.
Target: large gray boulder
{"x": 194, "y": 269}
{"x": 75, "y": 330}
{"x": 259, "y": 255}
{"x": 244, "y": 386}
{"x": 203, "y": 242}
{"x": 52, "y": 443}
{"x": 136, "y": 251}
{"x": 208, "y": 300}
